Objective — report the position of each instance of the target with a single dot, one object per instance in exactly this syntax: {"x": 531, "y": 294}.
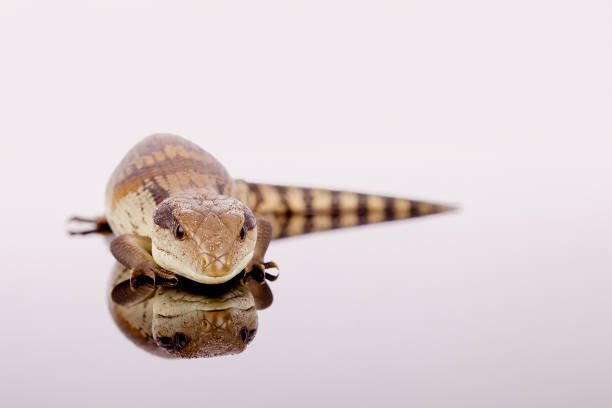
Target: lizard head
{"x": 208, "y": 239}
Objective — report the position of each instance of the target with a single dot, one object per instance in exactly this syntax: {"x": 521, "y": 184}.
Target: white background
{"x": 501, "y": 107}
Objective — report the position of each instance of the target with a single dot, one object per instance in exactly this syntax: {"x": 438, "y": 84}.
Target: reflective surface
{"x": 448, "y": 302}
{"x": 191, "y": 320}
{"x": 500, "y": 107}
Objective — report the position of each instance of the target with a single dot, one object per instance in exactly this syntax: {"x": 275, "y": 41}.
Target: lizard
{"x": 176, "y": 211}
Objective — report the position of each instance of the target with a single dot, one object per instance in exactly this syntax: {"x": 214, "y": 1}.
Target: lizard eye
{"x": 179, "y": 233}
{"x": 242, "y": 232}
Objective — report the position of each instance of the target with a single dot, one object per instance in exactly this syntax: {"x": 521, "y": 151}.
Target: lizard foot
{"x": 152, "y": 277}
{"x": 99, "y": 225}
{"x": 258, "y": 271}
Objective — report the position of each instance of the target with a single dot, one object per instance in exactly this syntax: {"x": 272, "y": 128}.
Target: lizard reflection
{"x": 190, "y": 320}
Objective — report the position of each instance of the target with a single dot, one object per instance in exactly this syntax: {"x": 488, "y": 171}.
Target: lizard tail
{"x": 300, "y": 210}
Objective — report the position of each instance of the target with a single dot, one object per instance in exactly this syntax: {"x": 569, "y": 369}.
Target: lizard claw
{"x": 258, "y": 271}
{"x": 271, "y": 276}
{"x": 142, "y": 277}
{"x": 99, "y": 225}
{"x": 151, "y": 277}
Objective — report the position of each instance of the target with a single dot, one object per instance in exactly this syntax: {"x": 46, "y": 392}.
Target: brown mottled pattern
{"x": 164, "y": 164}
{"x": 389, "y": 209}
{"x": 362, "y": 209}
{"x": 321, "y": 209}
{"x": 334, "y": 210}
{"x": 257, "y": 193}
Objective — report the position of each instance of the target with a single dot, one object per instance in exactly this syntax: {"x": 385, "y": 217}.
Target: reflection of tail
{"x": 297, "y": 210}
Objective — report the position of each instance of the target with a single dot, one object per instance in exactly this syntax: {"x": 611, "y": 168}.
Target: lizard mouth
{"x": 212, "y": 269}
{"x": 215, "y": 266}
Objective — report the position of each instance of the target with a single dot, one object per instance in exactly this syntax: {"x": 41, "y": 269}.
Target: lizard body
{"x": 176, "y": 211}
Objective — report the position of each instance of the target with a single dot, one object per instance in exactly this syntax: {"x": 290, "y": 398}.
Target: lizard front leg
{"x": 257, "y": 267}
{"x": 134, "y": 252}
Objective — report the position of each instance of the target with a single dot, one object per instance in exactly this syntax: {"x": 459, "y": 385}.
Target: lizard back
{"x": 159, "y": 166}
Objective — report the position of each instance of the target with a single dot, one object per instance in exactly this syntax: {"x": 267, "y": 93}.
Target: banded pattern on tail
{"x": 301, "y": 210}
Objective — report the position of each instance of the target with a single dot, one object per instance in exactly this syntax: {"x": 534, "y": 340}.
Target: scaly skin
{"x": 301, "y": 210}
{"x": 178, "y": 196}
{"x": 176, "y": 211}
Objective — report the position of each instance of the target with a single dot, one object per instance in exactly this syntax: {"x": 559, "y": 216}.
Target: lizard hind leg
{"x": 99, "y": 225}
{"x": 257, "y": 267}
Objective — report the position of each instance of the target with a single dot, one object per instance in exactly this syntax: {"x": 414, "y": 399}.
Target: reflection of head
{"x": 188, "y": 322}
{"x": 190, "y": 325}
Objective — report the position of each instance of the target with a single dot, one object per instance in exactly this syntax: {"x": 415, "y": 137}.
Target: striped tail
{"x": 298, "y": 210}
